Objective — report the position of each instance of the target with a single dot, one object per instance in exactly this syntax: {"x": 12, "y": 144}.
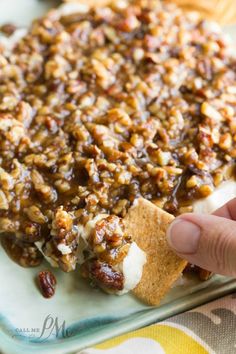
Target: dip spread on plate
{"x": 99, "y": 107}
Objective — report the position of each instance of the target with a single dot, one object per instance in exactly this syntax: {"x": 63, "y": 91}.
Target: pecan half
{"x": 105, "y": 276}
{"x": 47, "y": 283}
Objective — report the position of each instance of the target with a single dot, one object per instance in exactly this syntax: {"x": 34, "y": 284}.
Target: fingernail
{"x": 183, "y": 236}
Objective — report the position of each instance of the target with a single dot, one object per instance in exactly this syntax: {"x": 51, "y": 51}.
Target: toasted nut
{"x": 192, "y": 182}
{"x": 211, "y": 112}
{"x": 225, "y": 141}
{"x": 47, "y": 283}
{"x": 4, "y": 205}
{"x": 205, "y": 190}
{"x": 35, "y": 215}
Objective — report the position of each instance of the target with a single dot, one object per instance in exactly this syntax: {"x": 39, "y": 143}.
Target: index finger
{"x": 228, "y": 210}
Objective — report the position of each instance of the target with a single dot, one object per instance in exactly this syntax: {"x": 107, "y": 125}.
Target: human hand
{"x": 208, "y": 241}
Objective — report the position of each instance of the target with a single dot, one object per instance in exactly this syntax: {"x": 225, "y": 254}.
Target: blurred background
{"x": 223, "y": 11}
{"x": 22, "y": 12}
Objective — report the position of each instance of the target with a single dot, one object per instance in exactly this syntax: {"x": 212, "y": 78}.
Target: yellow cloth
{"x": 210, "y": 328}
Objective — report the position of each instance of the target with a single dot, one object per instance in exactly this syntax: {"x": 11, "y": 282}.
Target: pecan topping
{"x": 105, "y": 276}
{"x": 99, "y": 108}
{"x": 47, "y": 283}
{"x": 23, "y": 253}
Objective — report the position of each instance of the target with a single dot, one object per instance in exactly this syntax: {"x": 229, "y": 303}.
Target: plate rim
{"x": 137, "y": 320}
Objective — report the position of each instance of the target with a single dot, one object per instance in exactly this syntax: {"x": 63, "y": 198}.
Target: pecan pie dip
{"x": 98, "y": 108}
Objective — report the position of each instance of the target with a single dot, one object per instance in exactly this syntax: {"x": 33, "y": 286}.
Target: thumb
{"x": 205, "y": 240}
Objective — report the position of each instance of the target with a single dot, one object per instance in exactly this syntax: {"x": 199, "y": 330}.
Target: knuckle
{"x": 219, "y": 248}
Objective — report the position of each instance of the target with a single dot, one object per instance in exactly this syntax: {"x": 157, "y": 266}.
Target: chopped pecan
{"x": 23, "y": 253}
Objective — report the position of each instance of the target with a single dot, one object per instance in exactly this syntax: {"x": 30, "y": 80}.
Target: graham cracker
{"x": 147, "y": 225}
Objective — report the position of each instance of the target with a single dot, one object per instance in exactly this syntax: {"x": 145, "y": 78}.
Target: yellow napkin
{"x": 208, "y": 329}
